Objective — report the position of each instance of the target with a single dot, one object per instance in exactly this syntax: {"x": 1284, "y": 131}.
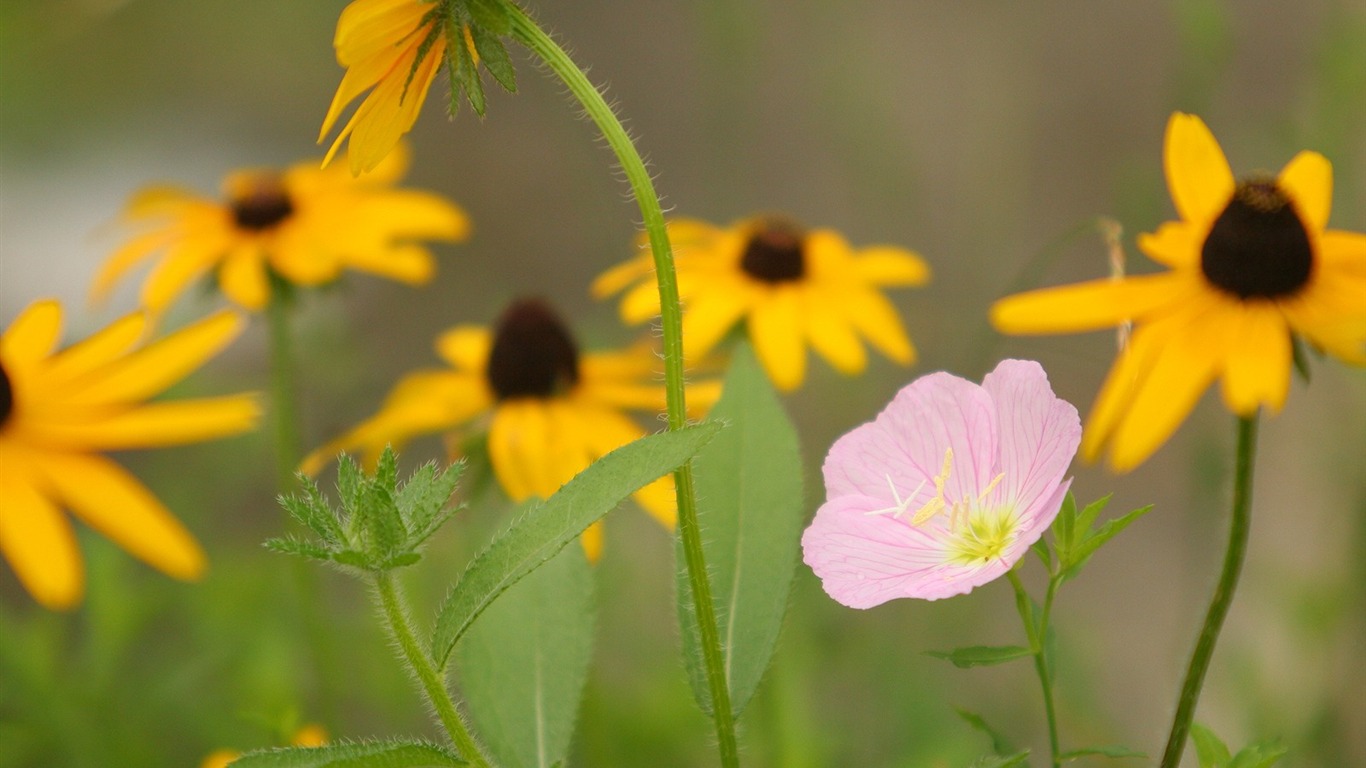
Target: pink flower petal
{"x": 1038, "y": 432}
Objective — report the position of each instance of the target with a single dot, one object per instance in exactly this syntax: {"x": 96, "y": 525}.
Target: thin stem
{"x": 420, "y": 663}
{"x": 1238, "y": 535}
{"x": 526, "y": 31}
{"x": 282, "y": 387}
{"x": 1038, "y": 637}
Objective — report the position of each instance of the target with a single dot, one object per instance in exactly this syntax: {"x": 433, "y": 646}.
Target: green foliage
{"x": 1106, "y": 751}
{"x": 1002, "y": 761}
{"x": 386, "y": 754}
{"x": 749, "y": 488}
{"x": 999, "y": 744}
{"x": 523, "y": 664}
{"x": 486, "y": 22}
{"x": 381, "y": 525}
{"x": 1075, "y": 539}
{"x": 1212, "y": 752}
{"x": 981, "y": 655}
{"x": 546, "y": 528}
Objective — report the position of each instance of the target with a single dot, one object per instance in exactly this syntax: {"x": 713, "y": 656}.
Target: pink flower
{"x": 945, "y": 490}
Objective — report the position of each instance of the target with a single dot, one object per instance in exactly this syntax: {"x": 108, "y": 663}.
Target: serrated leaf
{"x": 290, "y": 545}
{"x": 522, "y": 665}
{"x": 313, "y": 512}
{"x": 981, "y": 655}
{"x": 1263, "y": 754}
{"x": 387, "y": 754}
{"x": 538, "y": 535}
{"x": 1083, "y": 551}
{"x": 350, "y": 479}
{"x": 494, "y": 56}
{"x": 999, "y": 744}
{"x": 749, "y": 490}
{"x": 1001, "y": 761}
{"x": 353, "y": 558}
{"x": 1210, "y": 750}
{"x": 490, "y": 15}
{"x": 1106, "y": 751}
{"x": 422, "y": 501}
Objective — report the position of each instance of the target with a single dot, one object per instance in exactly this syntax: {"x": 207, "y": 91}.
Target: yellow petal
{"x": 243, "y": 279}
{"x": 188, "y": 259}
{"x": 414, "y": 214}
{"x": 1308, "y": 179}
{"x": 125, "y": 258}
{"x": 1117, "y": 391}
{"x": 1091, "y": 305}
{"x": 1257, "y": 360}
{"x": 95, "y": 351}
{"x": 891, "y": 266}
{"x": 408, "y": 263}
{"x": 708, "y": 318}
{"x": 466, "y": 347}
{"x": 591, "y": 540}
{"x": 873, "y": 316}
{"x": 391, "y": 109}
{"x": 37, "y": 540}
{"x": 1198, "y": 174}
{"x": 517, "y": 431}
{"x": 33, "y": 334}
{"x": 832, "y": 336}
{"x": 775, "y": 327}
{"x": 622, "y": 275}
{"x": 158, "y": 424}
{"x": 1177, "y": 244}
{"x": 165, "y": 362}
{"x": 114, "y": 503}
{"x": 640, "y": 303}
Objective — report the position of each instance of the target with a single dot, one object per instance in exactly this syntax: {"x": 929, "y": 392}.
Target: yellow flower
{"x": 304, "y": 225}
{"x": 790, "y": 285}
{"x": 393, "y": 48}
{"x": 1251, "y": 263}
{"x": 59, "y": 410}
{"x": 549, "y": 411}
{"x": 311, "y": 735}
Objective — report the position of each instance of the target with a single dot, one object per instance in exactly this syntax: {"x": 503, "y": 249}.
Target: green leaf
{"x": 999, "y": 744}
{"x": 523, "y": 664}
{"x": 1001, "y": 761}
{"x": 1209, "y": 749}
{"x": 387, "y": 754}
{"x": 1088, "y": 517}
{"x": 312, "y": 511}
{"x": 544, "y": 530}
{"x": 1106, "y": 751}
{"x": 495, "y": 58}
{"x": 1263, "y": 754}
{"x": 981, "y": 655}
{"x": 378, "y": 511}
{"x": 289, "y": 545}
{"x": 422, "y": 500}
{"x": 1083, "y": 551}
{"x": 490, "y": 15}
{"x": 749, "y": 490}
{"x": 1063, "y": 526}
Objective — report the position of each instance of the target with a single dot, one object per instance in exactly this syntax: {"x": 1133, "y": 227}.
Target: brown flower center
{"x": 1258, "y": 247}
{"x": 774, "y": 253}
{"x": 533, "y": 354}
{"x": 6, "y": 397}
{"x": 262, "y": 205}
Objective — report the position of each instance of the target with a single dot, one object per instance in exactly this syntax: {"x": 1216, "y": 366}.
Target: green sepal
{"x": 464, "y": 73}
{"x": 1113, "y": 751}
{"x": 1300, "y": 357}
{"x": 981, "y": 655}
{"x": 396, "y": 753}
{"x": 490, "y": 15}
{"x": 494, "y": 56}
{"x": 545, "y": 528}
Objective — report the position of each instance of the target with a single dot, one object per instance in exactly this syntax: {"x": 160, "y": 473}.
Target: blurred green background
{"x": 980, "y": 133}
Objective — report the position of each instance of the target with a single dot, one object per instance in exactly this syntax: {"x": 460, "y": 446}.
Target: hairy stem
{"x": 671, "y": 319}
{"x": 1239, "y": 532}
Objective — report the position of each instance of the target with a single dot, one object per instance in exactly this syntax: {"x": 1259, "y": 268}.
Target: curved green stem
{"x": 1038, "y": 637}
{"x": 671, "y": 318}
{"x": 282, "y": 388}
{"x": 420, "y": 663}
{"x": 1238, "y": 535}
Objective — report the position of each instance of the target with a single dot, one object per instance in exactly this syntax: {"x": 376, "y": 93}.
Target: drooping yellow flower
{"x": 790, "y": 286}
{"x": 393, "y": 48}
{"x": 304, "y": 225}
{"x": 59, "y": 410}
{"x": 549, "y": 410}
{"x": 1251, "y": 263}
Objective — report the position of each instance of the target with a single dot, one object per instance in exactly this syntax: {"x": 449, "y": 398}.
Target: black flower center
{"x": 263, "y": 205}
{"x": 774, "y": 253}
{"x": 533, "y": 354}
{"x": 1258, "y": 247}
{"x": 6, "y": 397}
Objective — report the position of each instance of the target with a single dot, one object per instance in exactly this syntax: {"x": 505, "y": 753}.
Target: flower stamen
{"x": 937, "y": 504}
{"x": 901, "y": 504}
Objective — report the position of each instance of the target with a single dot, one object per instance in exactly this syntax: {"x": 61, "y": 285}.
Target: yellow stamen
{"x": 936, "y": 504}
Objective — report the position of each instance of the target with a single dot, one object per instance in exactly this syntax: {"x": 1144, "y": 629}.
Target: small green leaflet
{"x": 981, "y": 655}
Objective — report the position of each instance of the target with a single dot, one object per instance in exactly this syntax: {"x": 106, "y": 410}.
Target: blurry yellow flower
{"x": 59, "y": 410}
{"x": 307, "y": 736}
{"x": 790, "y": 285}
{"x": 393, "y": 48}
{"x": 304, "y": 225}
{"x": 1251, "y": 263}
{"x": 549, "y": 411}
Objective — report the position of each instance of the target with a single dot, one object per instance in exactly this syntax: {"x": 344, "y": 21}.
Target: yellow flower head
{"x": 1251, "y": 263}
{"x": 303, "y": 225}
{"x": 392, "y": 48}
{"x": 59, "y": 410}
{"x": 791, "y": 286}
{"x": 549, "y": 410}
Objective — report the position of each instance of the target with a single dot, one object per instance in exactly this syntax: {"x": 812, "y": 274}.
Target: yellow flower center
{"x": 1258, "y": 247}
{"x": 261, "y": 203}
{"x": 6, "y": 397}
{"x": 984, "y": 536}
{"x": 774, "y": 252}
{"x": 533, "y": 354}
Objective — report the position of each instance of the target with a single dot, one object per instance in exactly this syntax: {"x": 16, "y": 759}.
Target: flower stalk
{"x": 1037, "y": 633}
{"x": 1238, "y": 535}
{"x": 529, "y": 34}
{"x": 419, "y": 662}
{"x": 282, "y": 386}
